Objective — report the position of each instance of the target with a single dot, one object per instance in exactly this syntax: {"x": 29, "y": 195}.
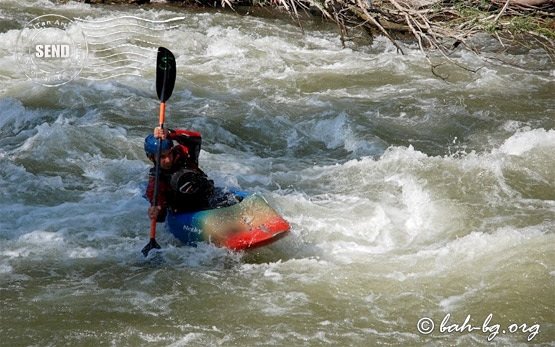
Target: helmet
{"x": 151, "y": 145}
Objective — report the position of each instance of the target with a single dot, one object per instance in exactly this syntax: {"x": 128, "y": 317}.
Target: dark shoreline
{"x": 242, "y": 8}
{"x": 442, "y": 29}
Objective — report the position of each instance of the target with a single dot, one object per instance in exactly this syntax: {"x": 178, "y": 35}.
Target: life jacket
{"x": 185, "y": 159}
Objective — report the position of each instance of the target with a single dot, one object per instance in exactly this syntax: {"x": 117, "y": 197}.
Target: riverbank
{"x": 436, "y": 25}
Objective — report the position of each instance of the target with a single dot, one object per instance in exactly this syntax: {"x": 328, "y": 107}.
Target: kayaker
{"x": 183, "y": 186}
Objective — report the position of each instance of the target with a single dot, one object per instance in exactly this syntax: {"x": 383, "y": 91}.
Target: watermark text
{"x": 427, "y": 326}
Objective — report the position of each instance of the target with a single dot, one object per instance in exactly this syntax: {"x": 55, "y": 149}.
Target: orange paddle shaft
{"x": 161, "y": 119}
{"x": 162, "y": 113}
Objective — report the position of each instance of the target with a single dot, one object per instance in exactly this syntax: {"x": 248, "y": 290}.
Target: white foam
{"x": 225, "y": 43}
{"x": 34, "y": 243}
{"x": 451, "y": 303}
{"x": 187, "y": 339}
{"x": 9, "y": 38}
{"x": 5, "y": 268}
{"x": 333, "y": 131}
{"x": 486, "y": 249}
{"x": 419, "y": 205}
{"x": 83, "y": 253}
{"x": 42, "y": 238}
{"x": 524, "y": 141}
{"x": 406, "y": 199}
{"x": 274, "y": 276}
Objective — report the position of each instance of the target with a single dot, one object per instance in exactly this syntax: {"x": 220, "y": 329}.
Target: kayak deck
{"x": 248, "y": 224}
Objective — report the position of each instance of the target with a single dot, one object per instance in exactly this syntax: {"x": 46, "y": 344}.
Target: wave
{"x": 406, "y": 199}
{"x": 142, "y": 19}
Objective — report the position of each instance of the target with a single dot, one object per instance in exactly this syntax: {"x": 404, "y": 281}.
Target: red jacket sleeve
{"x": 190, "y": 139}
{"x": 174, "y": 134}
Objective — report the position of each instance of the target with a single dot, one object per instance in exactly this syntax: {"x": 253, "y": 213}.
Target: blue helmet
{"x": 151, "y": 145}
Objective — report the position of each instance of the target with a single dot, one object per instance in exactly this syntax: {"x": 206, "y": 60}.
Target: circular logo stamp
{"x": 51, "y": 50}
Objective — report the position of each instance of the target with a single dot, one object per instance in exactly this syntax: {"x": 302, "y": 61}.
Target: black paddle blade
{"x": 151, "y": 245}
{"x": 165, "y": 73}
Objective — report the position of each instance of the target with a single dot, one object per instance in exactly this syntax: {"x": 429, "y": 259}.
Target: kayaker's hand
{"x": 160, "y": 133}
{"x": 153, "y": 212}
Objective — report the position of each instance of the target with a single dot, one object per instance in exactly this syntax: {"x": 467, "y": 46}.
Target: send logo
{"x": 52, "y": 51}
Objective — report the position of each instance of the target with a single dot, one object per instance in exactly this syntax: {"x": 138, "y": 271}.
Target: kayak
{"x": 250, "y": 222}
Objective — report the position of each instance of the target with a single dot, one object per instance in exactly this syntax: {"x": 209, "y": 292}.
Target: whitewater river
{"x": 422, "y": 210}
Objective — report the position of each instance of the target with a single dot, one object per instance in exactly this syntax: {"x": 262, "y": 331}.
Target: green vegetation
{"x": 436, "y": 25}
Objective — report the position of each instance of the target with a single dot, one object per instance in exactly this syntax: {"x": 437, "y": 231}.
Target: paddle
{"x": 165, "y": 81}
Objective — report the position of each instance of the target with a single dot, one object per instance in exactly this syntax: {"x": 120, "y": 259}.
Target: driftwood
{"x": 436, "y": 25}
{"x": 444, "y": 25}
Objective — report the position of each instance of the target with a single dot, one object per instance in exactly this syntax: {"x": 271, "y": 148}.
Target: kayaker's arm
{"x": 160, "y": 210}
{"x": 188, "y": 138}
{"x": 192, "y": 140}
{"x": 154, "y": 212}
